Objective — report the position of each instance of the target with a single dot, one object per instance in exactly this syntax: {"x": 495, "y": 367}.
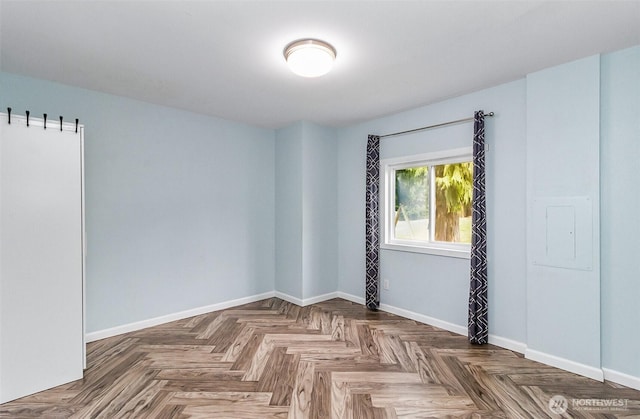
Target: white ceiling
{"x": 224, "y": 58}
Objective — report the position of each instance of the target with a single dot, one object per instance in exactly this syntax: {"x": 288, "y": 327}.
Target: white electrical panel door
{"x": 41, "y": 258}
{"x": 562, "y": 234}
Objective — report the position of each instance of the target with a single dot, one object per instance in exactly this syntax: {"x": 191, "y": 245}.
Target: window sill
{"x": 460, "y": 253}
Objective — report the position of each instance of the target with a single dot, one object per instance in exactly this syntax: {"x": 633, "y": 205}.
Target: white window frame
{"x": 388, "y": 198}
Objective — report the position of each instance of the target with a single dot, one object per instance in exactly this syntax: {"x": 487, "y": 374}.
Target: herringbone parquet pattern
{"x": 273, "y": 359}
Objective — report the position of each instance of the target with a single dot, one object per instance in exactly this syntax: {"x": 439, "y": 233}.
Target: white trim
{"x": 289, "y": 298}
{"x": 462, "y": 252}
{"x": 520, "y": 347}
{"x": 132, "y": 327}
{"x": 84, "y": 250}
{"x": 461, "y": 330}
{"x": 388, "y": 199}
{"x": 621, "y": 378}
{"x": 424, "y": 319}
{"x": 307, "y": 301}
{"x": 351, "y": 297}
{"x": 434, "y": 158}
{"x": 319, "y": 298}
{"x": 565, "y": 364}
{"x": 512, "y": 345}
{"x": 554, "y": 361}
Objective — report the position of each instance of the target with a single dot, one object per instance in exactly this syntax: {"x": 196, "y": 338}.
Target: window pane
{"x": 454, "y": 190}
{"x": 411, "y": 220}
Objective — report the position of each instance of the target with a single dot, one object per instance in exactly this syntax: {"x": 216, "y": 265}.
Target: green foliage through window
{"x": 453, "y": 187}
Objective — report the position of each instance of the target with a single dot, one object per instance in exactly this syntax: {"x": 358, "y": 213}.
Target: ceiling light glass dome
{"x": 310, "y": 57}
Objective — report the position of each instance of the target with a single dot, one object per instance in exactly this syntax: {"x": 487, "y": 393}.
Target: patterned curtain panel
{"x": 372, "y": 285}
{"x": 478, "y": 309}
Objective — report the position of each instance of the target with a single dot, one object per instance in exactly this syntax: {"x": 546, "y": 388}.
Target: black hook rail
{"x": 28, "y": 114}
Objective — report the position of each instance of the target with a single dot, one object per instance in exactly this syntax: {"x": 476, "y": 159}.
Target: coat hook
{"x": 27, "y": 113}
{"x": 76, "y": 125}
{"x": 60, "y": 122}
{"x": 45, "y": 121}
{"x": 9, "y": 113}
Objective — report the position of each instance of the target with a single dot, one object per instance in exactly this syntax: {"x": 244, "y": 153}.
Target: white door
{"x": 41, "y": 258}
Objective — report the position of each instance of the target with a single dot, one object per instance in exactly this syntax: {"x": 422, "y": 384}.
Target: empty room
{"x": 319, "y": 209}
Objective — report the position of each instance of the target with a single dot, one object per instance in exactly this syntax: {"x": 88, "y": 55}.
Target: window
{"x": 427, "y": 203}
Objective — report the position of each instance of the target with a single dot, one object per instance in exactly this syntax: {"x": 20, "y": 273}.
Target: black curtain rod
{"x": 457, "y": 121}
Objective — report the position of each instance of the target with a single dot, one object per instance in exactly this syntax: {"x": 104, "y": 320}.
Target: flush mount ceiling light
{"x": 309, "y": 57}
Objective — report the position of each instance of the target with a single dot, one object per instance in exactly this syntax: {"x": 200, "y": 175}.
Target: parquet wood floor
{"x": 273, "y": 359}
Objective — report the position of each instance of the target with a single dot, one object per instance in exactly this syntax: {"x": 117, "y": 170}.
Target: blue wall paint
{"x": 179, "y": 206}
{"x": 289, "y": 210}
{"x": 320, "y": 205}
{"x": 306, "y": 210}
{"x": 437, "y": 286}
{"x": 620, "y": 247}
{"x": 563, "y": 139}
{"x": 155, "y": 178}
{"x": 432, "y": 285}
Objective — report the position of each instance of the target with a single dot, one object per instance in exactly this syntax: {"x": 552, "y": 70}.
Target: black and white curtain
{"x": 372, "y": 285}
{"x": 478, "y": 310}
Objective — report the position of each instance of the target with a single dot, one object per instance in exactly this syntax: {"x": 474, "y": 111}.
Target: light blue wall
{"x": 620, "y": 245}
{"x": 306, "y": 210}
{"x": 577, "y": 100}
{"x": 563, "y": 140}
{"x": 289, "y": 210}
{"x": 179, "y": 206}
{"x": 320, "y": 206}
{"x": 438, "y": 286}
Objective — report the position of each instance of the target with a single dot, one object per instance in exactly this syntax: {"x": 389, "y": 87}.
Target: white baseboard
{"x": 319, "y": 298}
{"x": 431, "y": 321}
{"x": 351, "y": 297}
{"x": 512, "y": 345}
{"x": 293, "y": 300}
{"x": 424, "y": 319}
{"x": 621, "y": 378}
{"x": 307, "y": 301}
{"x": 554, "y": 361}
{"x": 132, "y": 327}
{"x": 520, "y": 347}
{"x": 565, "y": 364}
